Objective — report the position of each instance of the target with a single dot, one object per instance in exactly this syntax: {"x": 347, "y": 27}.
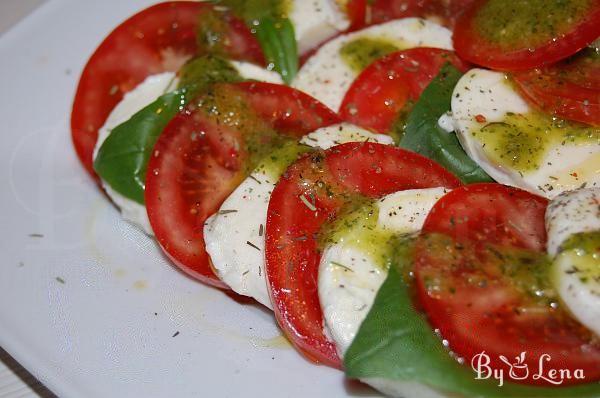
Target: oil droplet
{"x": 140, "y": 285}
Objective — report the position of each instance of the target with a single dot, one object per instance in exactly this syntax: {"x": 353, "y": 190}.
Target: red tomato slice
{"x": 289, "y": 110}
{"x": 158, "y": 39}
{"x": 481, "y": 303}
{"x": 514, "y": 48}
{"x": 569, "y": 89}
{"x": 199, "y": 160}
{"x": 357, "y": 14}
{"x": 383, "y": 90}
{"x": 364, "y": 13}
{"x": 310, "y": 193}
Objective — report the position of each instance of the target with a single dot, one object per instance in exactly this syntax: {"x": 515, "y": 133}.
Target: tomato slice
{"x": 364, "y": 13}
{"x": 158, "y": 39}
{"x": 357, "y": 14}
{"x": 387, "y": 88}
{"x": 310, "y": 193}
{"x": 569, "y": 89}
{"x": 524, "y": 35}
{"x": 204, "y": 154}
{"x": 482, "y": 300}
{"x": 289, "y": 110}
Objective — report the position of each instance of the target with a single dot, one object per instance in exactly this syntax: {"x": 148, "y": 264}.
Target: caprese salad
{"x": 412, "y": 186}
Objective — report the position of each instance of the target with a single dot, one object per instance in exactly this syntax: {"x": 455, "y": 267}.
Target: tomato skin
{"x": 376, "y": 170}
{"x": 569, "y": 89}
{"x": 363, "y": 13}
{"x": 327, "y": 178}
{"x": 158, "y": 39}
{"x": 290, "y": 111}
{"x": 181, "y": 170}
{"x": 357, "y": 14}
{"x": 384, "y": 88}
{"x": 526, "y": 214}
{"x": 198, "y": 162}
{"x": 474, "y": 308}
{"x": 470, "y": 46}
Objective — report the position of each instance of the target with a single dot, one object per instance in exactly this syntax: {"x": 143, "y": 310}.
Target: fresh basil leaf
{"x": 424, "y": 136}
{"x": 290, "y": 47}
{"x": 396, "y": 342}
{"x": 123, "y": 157}
{"x": 278, "y": 41}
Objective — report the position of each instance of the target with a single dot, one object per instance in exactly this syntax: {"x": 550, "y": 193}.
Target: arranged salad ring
{"x": 412, "y": 187}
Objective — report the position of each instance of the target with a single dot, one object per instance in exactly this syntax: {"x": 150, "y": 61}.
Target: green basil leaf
{"x": 290, "y": 48}
{"x": 396, "y": 342}
{"x": 123, "y": 157}
{"x": 278, "y": 41}
{"x": 424, "y": 136}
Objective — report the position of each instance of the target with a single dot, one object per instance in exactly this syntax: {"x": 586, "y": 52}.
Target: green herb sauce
{"x": 361, "y": 52}
{"x": 266, "y": 19}
{"x": 527, "y": 24}
{"x": 582, "y": 251}
{"x": 211, "y": 33}
{"x": 356, "y": 227}
{"x": 254, "y": 138}
{"x": 201, "y": 72}
{"x": 214, "y": 25}
{"x": 522, "y": 141}
{"x": 275, "y": 163}
{"x": 399, "y": 127}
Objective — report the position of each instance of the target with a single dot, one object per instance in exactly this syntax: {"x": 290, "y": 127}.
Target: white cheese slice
{"x": 570, "y": 213}
{"x": 487, "y": 96}
{"x": 315, "y": 21}
{"x": 576, "y": 270}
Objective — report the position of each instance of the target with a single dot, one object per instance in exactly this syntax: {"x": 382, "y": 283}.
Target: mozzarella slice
{"x": 327, "y": 77}
{"x": 571, "y": 213}
{"x": 326, "y": 137}
{"x": 315, "y": 21}
{"x": 143, "y": 95}
{"x": 350, "y": 274}
{"x": 484, "y": 99}
{"x": 576, "y": 267}
{"x": 234, "y": 236}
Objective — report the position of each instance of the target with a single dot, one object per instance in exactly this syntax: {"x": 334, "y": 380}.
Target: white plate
{"x": 107, "y": 330}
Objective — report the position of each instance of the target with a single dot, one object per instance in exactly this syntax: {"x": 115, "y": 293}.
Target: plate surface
{"x": 87, "y": 303}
